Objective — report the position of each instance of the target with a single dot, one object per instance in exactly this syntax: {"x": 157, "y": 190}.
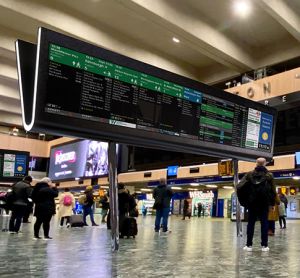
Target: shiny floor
{"x": 195, "y": 248}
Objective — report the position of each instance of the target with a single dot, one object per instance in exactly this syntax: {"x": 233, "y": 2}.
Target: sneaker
{"x": 265, "y": 249}
{"x": 68, "y": 225}
{"x": 47, "y": 238}
{"x": 36, "y": 238}
{"x": 166, "y": 232}
{"x": 12, "y": 232}
{"x": 248, "y": 248}
{"x": 157, "y": 231}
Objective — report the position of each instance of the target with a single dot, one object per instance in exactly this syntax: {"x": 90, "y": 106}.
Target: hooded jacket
{"x": 162, "y": 196}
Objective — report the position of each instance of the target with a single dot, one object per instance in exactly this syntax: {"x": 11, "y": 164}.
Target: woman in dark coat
{"x": 43, "y": 196}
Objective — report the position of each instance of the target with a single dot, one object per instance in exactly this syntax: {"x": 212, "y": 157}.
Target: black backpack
{"x": 243, "y": 191}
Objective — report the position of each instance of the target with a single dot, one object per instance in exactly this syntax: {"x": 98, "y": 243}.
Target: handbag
{"x": 273, "y": 213}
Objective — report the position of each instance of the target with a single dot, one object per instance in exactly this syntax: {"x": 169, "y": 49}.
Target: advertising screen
{"x": 297, "y": 158}
{"x": 172, "y": 171}
{"x": 13, "y": 164}
{"x": 86, "y": 158}
{"x": 85, "y": 89}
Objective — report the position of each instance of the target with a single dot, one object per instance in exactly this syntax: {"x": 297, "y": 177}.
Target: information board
{"x": 84, "y": 89}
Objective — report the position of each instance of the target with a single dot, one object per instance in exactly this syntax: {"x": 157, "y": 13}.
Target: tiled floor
{"x": 195, "y": 248}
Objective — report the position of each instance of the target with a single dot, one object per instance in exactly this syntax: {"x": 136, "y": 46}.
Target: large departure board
{"x": 116, "y": 97}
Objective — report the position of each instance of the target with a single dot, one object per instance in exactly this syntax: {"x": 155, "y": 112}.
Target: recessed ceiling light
{"x": 175, "y": 40}
{"x": 227, "y": 187}
{"x": 211, "y": 186}
{"x": 194, "y": 184}
{"x": 242, "y": 7}
{"x": 176, "y": 188}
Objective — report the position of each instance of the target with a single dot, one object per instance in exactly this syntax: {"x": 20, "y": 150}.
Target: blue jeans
{"x": 262, "y": 214}
{"x": 162, "y": 214}
{"x": 88, "y": 211}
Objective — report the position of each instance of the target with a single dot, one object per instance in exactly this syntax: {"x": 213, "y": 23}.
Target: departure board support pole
{"x": 239, "y": 231}
{"x": 113, "y": 195}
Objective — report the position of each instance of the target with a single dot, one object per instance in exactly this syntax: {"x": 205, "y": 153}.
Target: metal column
{"x": 113, "y": 195}
{"x": 239, "y": 230}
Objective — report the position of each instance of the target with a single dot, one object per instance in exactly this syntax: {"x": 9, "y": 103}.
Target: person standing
{"x": 282, "y": 215}
{"x": 43, "y": 196}
{"x": 261, "y": 195}
{"x": 66, "y": 206}
{"x": 273, "y": 216}
{"x": 199, "y": 207}
{"x": 185, "y": 209}
{"x": 104, "y": 207}
{"x": 88, "y": 206}
{"x": 162, "y": 196}
{"x": 20, "y": 194}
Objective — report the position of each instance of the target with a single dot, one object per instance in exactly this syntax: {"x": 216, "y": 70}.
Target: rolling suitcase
{"x": 76, "y": 220}
{"x": 4, "y": 220}
{"x": 128, "y": 227}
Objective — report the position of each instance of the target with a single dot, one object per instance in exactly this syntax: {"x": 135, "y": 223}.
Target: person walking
{"x": 104, "y": 207}
{"x": 162, "y": 196}
{"x": 66, "y": 206}
{"x": 186, "y": 209}
{"x": 88, "y": 206}
{"x": 19, "y": 202}
{"x": 260, "y": 196}
{"x": 43, "y": 196}
{"x": 199, "y": 207}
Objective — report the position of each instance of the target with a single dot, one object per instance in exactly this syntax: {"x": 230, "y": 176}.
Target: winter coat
{"x": 43, "y": 197}
{"x": 104, "y": 203}
{"x": 63, "y": 209}
{"x": 21, "y": 192}
{"x": 162, "y": 196}
{"x": 126, "y": 201}
{"x": 89, "y": 202}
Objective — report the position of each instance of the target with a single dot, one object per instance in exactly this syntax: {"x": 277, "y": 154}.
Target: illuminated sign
{"x": 201, "y": 194}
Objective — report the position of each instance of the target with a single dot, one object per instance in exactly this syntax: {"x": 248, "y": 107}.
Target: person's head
{"x": 121, "y": 186}
{"x": 46, "y": 180}
{"x": 67, "y": 189}
{"x": 162, "y": 181}
{"x": 89, "y": 188}
{"x": 261, "y": 161}
{"x": 27, "y": 179}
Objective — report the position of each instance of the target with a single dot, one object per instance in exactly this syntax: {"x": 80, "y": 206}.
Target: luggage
{"x": 76, "y": 220}
{"x": 128, "y": 227}
{"x": 4, "y": 221}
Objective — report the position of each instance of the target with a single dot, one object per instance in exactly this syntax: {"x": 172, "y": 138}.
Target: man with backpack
{"x": 256, "y": 192}
{"x": 162, "y": 196}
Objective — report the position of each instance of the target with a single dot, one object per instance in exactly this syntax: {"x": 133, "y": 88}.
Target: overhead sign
{"x": 225, "y": 168}
{"x": 83, "y": 90}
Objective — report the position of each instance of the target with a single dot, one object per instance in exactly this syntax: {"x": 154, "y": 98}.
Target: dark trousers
{"x": 282, "y": 221}
{"x": 199, "y": 212}
{"x": 164, "y": 215}
{"x": 62, "y": 220}
{"x": 45, "y": 220}
{"x": 27, "y": 213}
{"x": 253, "y": 215}
{"x": 272, "y": 226}
{"x": 16, "y": 218}
{"x": 88, "y": 211}
{"x": 186, "y": 214}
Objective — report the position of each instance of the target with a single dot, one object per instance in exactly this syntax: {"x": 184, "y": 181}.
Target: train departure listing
{"x": 97, "y": 90}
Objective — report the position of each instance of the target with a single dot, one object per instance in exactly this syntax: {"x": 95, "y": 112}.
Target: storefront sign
{"x": 201, "y": 194}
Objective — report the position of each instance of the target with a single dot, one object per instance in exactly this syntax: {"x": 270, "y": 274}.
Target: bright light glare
{"x": 227, "y": 187}
{"x": 176, "y": 188}
{"x": 175, "y": 40}
{"x": 242, "y": 8}
{"x": 146, "y": 189}
{"x": 296, "y": 178}
{"x": 194, "y": 184}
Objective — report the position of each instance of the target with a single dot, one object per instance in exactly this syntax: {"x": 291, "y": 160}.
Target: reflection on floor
{"x": 195, "y": 248}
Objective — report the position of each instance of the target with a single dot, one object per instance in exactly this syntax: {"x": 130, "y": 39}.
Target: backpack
{"x": 243, "y": 191}
{"x": 67, "y": 201}
{"x": 82, "y": 199}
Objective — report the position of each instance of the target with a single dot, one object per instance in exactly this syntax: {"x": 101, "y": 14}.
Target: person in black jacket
{"x": 162, "y": 196}
{"x": 186, "y": 209}
{"x": 43, "y": 196}
{"x": 104, "y": 207}
{"x": 20, "y": 194}
{"x": 261, "y": 196}
{"x": 88, "y": 206}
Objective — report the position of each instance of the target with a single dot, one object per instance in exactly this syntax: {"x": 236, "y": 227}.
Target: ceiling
{"x": 215, "y": 44}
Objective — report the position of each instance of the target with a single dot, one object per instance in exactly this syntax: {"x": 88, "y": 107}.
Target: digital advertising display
{"x": 172, "y": 171}
{"x": 13, "y": 165}
{"x": 86, "y": 158}
{"x": 81, "y": 88}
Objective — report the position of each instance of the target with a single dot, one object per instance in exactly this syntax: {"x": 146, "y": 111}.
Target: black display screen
{"x": 87, "y": 91}
{"x": 90, "y": 88}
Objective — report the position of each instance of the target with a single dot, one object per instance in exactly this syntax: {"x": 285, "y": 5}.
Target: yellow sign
{"x": 225, "y": 168}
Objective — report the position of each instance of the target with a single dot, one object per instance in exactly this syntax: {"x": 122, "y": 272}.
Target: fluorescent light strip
{"x": 211, "y": 186}
{"x": 176, "y": 188}
{"x": 228, "y": 187}
{"x": 146, "y": 189}
{"x": 194, "y": 184}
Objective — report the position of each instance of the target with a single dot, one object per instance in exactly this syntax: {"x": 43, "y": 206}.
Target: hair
{"x": 46, "y": 180}
{"x": 89, "y": 188}
{"x": 67, "y": 189}
{"x": 27, "y": 179}
{"x": 261, "y": 161}
{"x": 121, "y": 186}
{"x": 162, "y": 181}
